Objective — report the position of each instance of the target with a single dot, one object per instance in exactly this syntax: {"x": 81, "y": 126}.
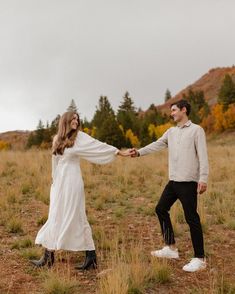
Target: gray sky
{"x": 54, "y": 50}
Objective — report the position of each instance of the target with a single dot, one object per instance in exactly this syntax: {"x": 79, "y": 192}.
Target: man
{"x": 188, "y": 173}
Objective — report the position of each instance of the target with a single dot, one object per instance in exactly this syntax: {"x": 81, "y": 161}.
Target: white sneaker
{"x": 166, "y": 252}
{"x": 194, "y": 265}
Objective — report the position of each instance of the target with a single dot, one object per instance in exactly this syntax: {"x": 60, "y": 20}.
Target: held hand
{"x": 134, "y": 152}
{"x": 124, "y": 153}
{"x": 201, "y": 187}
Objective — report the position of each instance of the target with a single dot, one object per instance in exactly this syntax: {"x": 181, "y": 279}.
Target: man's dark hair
{"x": 183, "y": 103}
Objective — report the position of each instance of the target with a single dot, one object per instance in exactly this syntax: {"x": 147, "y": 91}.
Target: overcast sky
{"x": 52, "y": 51}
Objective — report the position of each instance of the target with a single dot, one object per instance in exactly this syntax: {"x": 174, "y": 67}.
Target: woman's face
{"x": 74, "y": 122}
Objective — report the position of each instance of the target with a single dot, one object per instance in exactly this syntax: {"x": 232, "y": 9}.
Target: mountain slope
{"x": 209, "y": 83}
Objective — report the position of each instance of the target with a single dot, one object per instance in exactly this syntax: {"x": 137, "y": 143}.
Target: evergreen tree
{"x": 144, "y": 133}
{"x": 54, "y": 125}
{"x": 127, "y": 104}
{"x": 198, "y": 105}
{"x": 72, "y": 107}
{"x": 31, "y": 140}
{"x": 227, "y": 92}
{"x": 36, "y": 137}
{"x": 167, "y": 95}
{"x": 86, "y": 124}
{"x": 103, "y": 111}
{"x": 42, "y": 134}
{"x": 127, "y": 115}
{"x": 111, "y": 133}
{"x": 153, "y": 116}
{"x": 107, "y": 128}
{"x": 40, "y": 131}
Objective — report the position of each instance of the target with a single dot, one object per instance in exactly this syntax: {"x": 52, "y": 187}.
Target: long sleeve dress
{"x": 67, "y": 226}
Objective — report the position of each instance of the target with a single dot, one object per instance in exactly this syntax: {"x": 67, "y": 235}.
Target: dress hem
{"x": 66, "y": 249}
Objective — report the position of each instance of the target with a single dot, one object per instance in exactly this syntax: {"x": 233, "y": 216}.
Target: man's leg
{"x": 167, "y": 199}
{"x": 187, "y": 194}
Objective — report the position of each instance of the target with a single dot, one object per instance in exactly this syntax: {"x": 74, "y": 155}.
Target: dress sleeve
{"x": 54, "y": 163}
{"x": 93, "y": 150}
{"x": 54, "y": 160}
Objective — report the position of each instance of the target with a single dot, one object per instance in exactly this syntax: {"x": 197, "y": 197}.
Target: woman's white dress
{"x": 67, "y": 226}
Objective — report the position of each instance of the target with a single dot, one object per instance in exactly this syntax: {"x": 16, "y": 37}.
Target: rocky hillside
{"x": 209, "y": 83}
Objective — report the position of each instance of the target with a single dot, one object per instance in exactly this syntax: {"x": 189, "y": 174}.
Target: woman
{"x": 67, "y": 226}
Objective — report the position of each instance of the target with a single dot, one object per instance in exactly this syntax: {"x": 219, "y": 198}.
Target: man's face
{"x": 177, "y": 114}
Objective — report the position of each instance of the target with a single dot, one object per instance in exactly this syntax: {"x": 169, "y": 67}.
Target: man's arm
{"x": 160, "y": 144}
{"x": 203, "y": 160}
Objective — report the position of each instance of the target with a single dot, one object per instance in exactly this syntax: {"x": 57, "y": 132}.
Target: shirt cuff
{"x": 203, "y": 180}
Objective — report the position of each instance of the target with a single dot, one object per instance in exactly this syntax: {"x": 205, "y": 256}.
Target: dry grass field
{"x": 120, "y": 201}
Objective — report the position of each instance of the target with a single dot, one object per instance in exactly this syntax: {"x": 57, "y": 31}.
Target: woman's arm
{"x": 93, "y": 150}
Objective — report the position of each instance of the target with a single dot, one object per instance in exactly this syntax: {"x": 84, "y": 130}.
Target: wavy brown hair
{"x": 65, "y": 136}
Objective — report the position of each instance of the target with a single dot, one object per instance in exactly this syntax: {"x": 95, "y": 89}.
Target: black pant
{"x": 186, "y": 192}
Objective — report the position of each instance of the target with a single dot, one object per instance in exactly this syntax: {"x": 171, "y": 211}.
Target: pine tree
{"x": 144, "y": 133}
{"x": 103, "y": 111}
{"x": 167, "y": 95}
{"x": 31, "y": 140}
{"x": 107, "y": 128}
{"x": 54, "y": 125}
{"x": 127, "y": 115}
{"x": 127, "y": 104}
{"x": 153, "y": 116}
{"x": 36, "y": 137}
{"x": 199, "y": 107}
{"x": 227, "y": 92}
{"x": 40, "y": 132}
{"x": 111, "y": 133}
{"x": 85, "y": 123}
{"x": 72, "y": 107}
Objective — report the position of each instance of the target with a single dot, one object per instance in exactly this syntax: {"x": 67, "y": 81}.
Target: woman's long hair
{"x": 65, "y": 136}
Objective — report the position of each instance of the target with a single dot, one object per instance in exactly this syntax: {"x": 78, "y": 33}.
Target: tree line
{"x": 132, "y": 127}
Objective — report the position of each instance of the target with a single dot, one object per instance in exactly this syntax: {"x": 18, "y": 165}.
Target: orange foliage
{"x": 229, "y": 117}
{"x": 208, "y": 123}
{"x": 4, "y": 145}
{"x": 219, "y": 120}
{"x": 217, "y": 112}
{"x": 45, "y": 145}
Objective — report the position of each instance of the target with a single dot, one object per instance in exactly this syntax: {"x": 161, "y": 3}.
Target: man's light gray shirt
{"x": 187, "y": 152}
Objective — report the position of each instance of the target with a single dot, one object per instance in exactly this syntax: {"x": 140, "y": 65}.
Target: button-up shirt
{"x": 187, "y": 152}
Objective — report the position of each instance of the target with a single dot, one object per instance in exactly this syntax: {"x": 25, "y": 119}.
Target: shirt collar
{"x": 187, "y": 124}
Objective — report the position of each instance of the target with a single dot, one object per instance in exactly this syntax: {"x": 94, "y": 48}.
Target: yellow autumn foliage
{"x": 4, "y": 145}
{"x": 133, "y": 139}
{"x": 151, "y": 130}
{"x": 158, "y": 131}
{"x": 87, "y": 131}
